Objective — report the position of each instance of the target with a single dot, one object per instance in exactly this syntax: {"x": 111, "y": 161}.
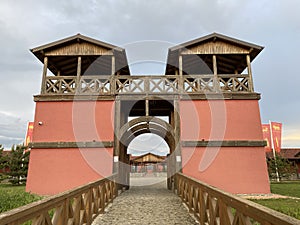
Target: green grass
{"x": 288, "y": 188}
{"x": 14, "y": 196}
{"x": 288, "y": 206}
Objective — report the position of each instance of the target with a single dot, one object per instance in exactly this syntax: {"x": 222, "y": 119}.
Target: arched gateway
{"x": 90, "y": 108}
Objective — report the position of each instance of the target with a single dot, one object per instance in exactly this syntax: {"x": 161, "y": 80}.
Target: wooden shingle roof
{"x": 229, "y": 51}
{"x": 61, "y": 54}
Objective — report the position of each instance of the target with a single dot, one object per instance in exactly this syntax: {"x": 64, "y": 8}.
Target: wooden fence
{"x": 75, "y": 207}
{"x": 212, "y": 206}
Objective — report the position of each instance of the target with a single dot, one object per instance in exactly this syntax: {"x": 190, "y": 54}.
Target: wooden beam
{"x": 72, "y": 97}
{"x": 113, "y": 65}
{"x": 180, "y": 65}
{"x": 79, "y": 66}
{"x": 43, "y": 88}
{"x": 224, "y": 143}
{"x": 78, "y": 72}
{"x": 147, "y": 107}
{"x": 117, "y": 144}
{"x": 57, "y": 145}
{"x": 180, "y": 82}
{"x": 250, "y": 73}
{"x": 177, "y": 147}
{"x": 215, "y": 71}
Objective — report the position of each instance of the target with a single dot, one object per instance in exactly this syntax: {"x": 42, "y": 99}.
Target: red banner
{"x": 267, "y": 136}
{"x": 29, "y": 133}
{"x": 276, "y": 135}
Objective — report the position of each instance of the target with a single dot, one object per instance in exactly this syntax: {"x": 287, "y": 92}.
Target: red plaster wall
{"x": 55, "y": 170}
{"x": 217, "y": 120}
{"x": 73, "y": 121}
{"x": 233, "y": 169}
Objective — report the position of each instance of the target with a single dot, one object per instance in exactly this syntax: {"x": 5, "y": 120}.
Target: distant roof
{"x": 68, "y": 66}
{"x": 147, "y": 158}
{"x": 173, "y": 53}
{"x": 288, "y": 153}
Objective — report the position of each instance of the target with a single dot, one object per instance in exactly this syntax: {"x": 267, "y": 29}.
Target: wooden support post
{"x": 78, "y": 73}
{"x": 174, "y": 158}
{"x": 181, "y": 82}
{"x": 43, "y": 88}
{"x": 147, "y": 107}
{"x": 178, "y": 167}
{"x": 215, "y": 70}
{"x": 117, "y": 144}
{"x": 251, "y": 86}
{"x": 113, "y": 65}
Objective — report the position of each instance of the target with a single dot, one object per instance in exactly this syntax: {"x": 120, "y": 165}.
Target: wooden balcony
{"x": 147, "y": 85}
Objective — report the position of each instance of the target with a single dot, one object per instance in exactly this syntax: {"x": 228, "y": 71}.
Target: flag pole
{"x": 274, "y": 154}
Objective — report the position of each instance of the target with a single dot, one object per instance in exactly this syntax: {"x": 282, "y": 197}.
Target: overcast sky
{"x": 27, "y": 24}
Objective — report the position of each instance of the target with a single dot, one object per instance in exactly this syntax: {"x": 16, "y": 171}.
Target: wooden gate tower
{"x": 82, "y": 124}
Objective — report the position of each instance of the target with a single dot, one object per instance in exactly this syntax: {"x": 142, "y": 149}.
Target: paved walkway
{"x": 147, "y": 202}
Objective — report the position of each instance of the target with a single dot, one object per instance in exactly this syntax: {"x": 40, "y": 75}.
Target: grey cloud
{"x": 28, "y": 24}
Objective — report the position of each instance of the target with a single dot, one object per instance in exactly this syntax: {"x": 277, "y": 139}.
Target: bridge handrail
{"x": 213, "y": 206}
{"x": 77, "y": 206}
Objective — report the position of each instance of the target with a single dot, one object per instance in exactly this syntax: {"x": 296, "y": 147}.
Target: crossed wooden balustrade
{"x": 167, "y": 84}
{"x": 75, "y": 207}
{"x": 210, "y": 205}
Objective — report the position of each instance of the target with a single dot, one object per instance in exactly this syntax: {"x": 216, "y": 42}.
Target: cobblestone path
{"x": 146, "y": 202}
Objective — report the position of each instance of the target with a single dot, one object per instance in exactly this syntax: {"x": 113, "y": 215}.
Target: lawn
{"x": 14, "y": 196}
{"x": 288, "y": 206}
{"x": 288, "y": 188}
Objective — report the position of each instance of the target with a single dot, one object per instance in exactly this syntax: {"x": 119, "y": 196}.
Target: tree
{"x": 285, "y": 168}
{"x": 3, "y": 164}
{"x": 18, "y": 164}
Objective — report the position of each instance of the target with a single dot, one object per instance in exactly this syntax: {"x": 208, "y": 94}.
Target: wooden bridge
{"x": 207, "y": 204}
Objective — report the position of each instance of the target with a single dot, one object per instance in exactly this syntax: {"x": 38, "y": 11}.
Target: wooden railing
{"x": 60, "y": 84}
{"x": 75, "y": 207}
{"x": 95, "y": 85}
{"x": 212, "y": 206}
{"x": 127, "y": 84}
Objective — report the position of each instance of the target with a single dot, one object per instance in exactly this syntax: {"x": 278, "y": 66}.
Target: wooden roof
{"x": 147, "y": 158}
{"x": 230, "y": 53}
{"x": 63, "y": 54}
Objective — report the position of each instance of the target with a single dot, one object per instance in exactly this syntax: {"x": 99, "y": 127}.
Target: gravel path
{"x": 146, "y": 202}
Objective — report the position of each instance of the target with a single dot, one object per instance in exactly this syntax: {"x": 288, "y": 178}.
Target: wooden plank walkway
{"x": 147, "y": 202}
